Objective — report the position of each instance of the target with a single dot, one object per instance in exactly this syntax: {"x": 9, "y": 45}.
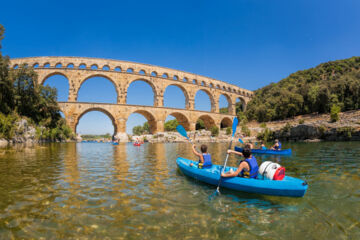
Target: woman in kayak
{"x": 204, "y": 157}
{"x": 247, "y": 168}
{"x": 277, "y": 145}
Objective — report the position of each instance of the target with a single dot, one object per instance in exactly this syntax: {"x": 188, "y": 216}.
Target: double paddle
{"x": 183, "y": 133}
{"x": 234, "y": 126}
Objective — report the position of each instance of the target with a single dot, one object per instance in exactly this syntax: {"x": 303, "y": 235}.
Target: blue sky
{"x": 247, "y": 43}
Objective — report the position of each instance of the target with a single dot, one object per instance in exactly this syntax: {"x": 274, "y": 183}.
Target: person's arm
{"x": 234, "y": 152}
{"x": 197, "y": 154}
{"x": 236, "y": 173}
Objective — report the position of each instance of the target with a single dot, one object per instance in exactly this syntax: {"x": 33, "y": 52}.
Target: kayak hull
{"x": 289, "y": 186}
{"x": 267, "y": 151}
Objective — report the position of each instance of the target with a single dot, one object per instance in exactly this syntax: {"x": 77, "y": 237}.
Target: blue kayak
{"x": 115, "y": 143}
{"x": 267, "y": 151}
{"x": 289, "y": 186}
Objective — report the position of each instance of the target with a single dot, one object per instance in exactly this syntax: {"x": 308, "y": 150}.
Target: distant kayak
{"x": 289, "y": 186}
{"x": 267, "y": 151}
{"x": 137, "y": 144}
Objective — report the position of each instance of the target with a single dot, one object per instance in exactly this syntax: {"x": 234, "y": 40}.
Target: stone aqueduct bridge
{"x": 121, "y": 73}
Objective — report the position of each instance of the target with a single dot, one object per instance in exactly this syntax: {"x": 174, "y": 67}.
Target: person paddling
{"x": 248, "y": 167}
{"x": 204, "y": 157}
{"x": 277, "y": 145}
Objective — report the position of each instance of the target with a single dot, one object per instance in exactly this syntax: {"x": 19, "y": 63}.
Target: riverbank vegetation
{"x": 22, "y": 97}
{"x": 333, "y": 86}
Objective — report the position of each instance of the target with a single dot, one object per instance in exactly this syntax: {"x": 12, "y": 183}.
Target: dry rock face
{"x": 316, "y": 126}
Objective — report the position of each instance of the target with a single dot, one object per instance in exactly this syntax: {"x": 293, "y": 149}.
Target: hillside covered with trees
{"x": 331, "y": 85}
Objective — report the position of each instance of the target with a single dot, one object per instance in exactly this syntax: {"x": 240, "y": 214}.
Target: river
{"x": 97, "y": 190}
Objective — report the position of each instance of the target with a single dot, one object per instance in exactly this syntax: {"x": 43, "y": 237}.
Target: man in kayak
{"x": 277, "y": 145}
{"x": 204, "y": 157}
{"x": 247, "y": 168}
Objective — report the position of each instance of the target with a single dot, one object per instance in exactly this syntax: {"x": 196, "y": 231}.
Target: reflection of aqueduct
{"x": 77, "y": 70}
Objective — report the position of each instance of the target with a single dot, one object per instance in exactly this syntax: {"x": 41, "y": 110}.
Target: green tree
{"x": 334, "y": 115}
{"x": 308, "y": 91}
{"x": 6, "y": 85}
{"x": 200, "y": 124}
{"x": 137, "y": 130}
{"x": 171, "y": 125}
{"x": 214, "y": 131}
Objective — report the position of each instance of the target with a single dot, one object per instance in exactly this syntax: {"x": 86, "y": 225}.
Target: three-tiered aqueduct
{"x": 122, "y": 73}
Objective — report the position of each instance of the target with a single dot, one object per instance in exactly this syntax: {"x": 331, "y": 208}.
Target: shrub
{"x": 266, "y": 135}
{"x": 346, "y": 132}
{"x": 7, "y": 125}
{"x": 286, "y": 128}
{"x": 214, "y": 131}
{"x": 228, "y": 130}
{"x": 322, "y": 129}
{"x": 245, "y": 130}
{"x": 334, "y": 113}
{"x": 263, "y": 125}
{"x": 301, "y": 121}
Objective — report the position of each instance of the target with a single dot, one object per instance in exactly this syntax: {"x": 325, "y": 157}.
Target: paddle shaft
{"x": 226, "y": 159}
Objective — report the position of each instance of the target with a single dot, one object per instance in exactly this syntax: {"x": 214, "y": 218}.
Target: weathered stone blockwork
{"x": 121, "y": 73}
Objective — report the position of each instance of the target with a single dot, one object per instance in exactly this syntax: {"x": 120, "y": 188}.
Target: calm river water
{"x": 97, "y": 190}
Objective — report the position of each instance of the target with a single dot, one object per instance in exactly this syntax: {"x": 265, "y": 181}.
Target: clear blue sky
{"x": 247, "y": 43}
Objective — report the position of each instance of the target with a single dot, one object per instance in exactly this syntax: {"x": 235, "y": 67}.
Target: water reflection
{"x": 96, "y": 190}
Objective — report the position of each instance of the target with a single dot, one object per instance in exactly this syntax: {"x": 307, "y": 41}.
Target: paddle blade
{"x": 234, "y": 125}
{"x": 241, "y": 141}
{"x": 182, "y": 131}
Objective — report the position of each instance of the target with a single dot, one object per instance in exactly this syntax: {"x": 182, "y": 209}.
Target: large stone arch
{"x": 225, "y": 122}
{"x": 208, "y": 120}
{"x": 91, "y": 109}
{"x": 185, "y": 92}
{"x": 98, "y": 75}
{"x": 211, "y": 97}
{"x": 243, "y": 103}
{"x": 152, "y": 85}
{"x": 149, "y": 117}
{"x": 228, "y": 98}
{"x": 182, "y": 120}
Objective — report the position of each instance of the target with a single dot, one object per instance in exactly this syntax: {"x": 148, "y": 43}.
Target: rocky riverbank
{"x": 313, "y": 127}
{"x": 196, "y": 136}
{"x": 24, "y": 132}
{"x": 310, "y": 128}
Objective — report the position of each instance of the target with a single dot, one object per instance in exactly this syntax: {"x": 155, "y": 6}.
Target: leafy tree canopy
{"x": 309, "y": 91}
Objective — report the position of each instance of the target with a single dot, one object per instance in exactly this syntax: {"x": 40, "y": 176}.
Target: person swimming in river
{"x": 277, "y": 145}
{"x": 248, "y": 167}
{"x": 204, "y": 157}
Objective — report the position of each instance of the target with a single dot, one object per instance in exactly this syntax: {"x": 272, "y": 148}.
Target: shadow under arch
{"x": 212, "y": 101}
{"x": 98, "y": 75}
{"x": 208, "y": 121}
{"x": 182, "y": 120}
{"x": 151, "y": 84}
{"x": 228, "y": 99}
{"x": 149, "y": 117}
{"x": 186, "y": 94}
{"x": 97, "y": 109}
{"x": 225, "y": 122}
